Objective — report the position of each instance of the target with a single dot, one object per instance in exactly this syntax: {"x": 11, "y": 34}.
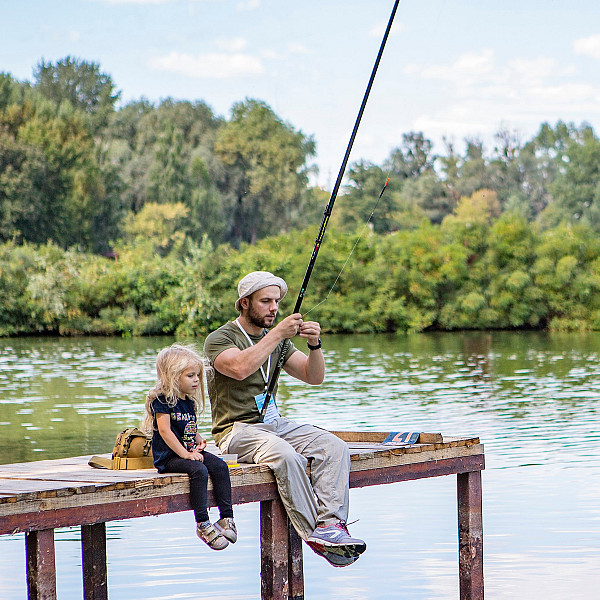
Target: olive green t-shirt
{"x": 232, "y": 400}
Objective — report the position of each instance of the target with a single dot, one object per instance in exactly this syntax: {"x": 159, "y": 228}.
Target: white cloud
{"x": 211, "y": 65}
{"x": 589, "y": 46}
{"x": 465, "y": 67}
{"x": 296, "y": 48}
{"x": 535, "y": 69}
{"x": 378, "y": 30}
{"x": 523, "y": 92}
{"x": 271, "y": 54}
{"x": 246, "y": 5}
{"x": 232, "y": 45}
{"x": 142, "y": 2}
{"x": 138, "y": 1}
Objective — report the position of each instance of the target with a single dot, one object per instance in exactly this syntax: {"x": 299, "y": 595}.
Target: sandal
{"x": 211, "y": 537}
{"x": 226, "y": 527}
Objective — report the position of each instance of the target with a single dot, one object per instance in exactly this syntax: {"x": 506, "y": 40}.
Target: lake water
{"x": 532, "y": 398}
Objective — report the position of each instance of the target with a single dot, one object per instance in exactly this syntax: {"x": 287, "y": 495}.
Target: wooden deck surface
{"x": 28, "y": 491}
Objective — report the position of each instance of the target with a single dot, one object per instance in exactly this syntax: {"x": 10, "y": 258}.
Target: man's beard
{"x": 257, "y": 320}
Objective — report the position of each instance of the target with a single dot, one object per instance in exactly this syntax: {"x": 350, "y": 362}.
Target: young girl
{"x": 171, "y": 410}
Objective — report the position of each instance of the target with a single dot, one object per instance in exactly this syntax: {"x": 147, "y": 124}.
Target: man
{"x": 244, "y": 353}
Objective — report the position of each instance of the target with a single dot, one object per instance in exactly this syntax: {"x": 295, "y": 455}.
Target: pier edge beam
{"x": 93, "y": 558}
{"x": 41, "y": 565}
{"x": 470, "y": 535}
{"x": 281, "y": 554}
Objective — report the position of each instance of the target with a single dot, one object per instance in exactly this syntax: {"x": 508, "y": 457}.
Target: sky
{"x": 451, "y": 69}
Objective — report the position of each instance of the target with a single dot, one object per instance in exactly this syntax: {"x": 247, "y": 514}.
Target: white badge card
{"x": 272, "y": 412}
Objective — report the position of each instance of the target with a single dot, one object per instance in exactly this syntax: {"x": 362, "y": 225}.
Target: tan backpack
{"x": 133, "y": 450}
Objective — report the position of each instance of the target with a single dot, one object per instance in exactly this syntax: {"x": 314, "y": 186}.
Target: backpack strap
{"x": 99, "y": 462}
{"x": 145, "y": 462}
{"x": 117, "y": 463}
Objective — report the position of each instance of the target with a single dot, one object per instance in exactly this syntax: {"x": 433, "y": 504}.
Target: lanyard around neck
{"x": 262, "y": 371}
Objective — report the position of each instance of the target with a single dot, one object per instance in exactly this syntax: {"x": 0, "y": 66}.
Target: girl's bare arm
{"x": 163, "y": 422}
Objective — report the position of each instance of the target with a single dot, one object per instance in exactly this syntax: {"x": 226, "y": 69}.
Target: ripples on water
{"x": 531, "y": 397}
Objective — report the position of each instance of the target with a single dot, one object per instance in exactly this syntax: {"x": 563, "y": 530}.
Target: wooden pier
{"x": 38, "y": 497}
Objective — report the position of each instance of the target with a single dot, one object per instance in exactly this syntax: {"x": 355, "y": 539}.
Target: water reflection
{"x": 531, "y": 397}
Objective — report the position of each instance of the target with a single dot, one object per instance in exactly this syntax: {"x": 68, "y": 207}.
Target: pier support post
{"x": 295, "y": 564}
{"x": 41, "y": 565}
{"x": 93, "y": 556}
{"x": 281, "y": 554}
{"x": 470, "y": 536}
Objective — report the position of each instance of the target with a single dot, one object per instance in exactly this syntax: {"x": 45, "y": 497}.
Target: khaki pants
{"x": 286, "y": 447}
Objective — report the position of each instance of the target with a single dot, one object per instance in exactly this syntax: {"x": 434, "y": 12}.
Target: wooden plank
{"x": 93, "y": 556}
{"x": 411, "y": 471}
{"x": 392, "y": 458}
{"x": 379, "y": 436}
{"x": 41, "y": 466}
{"x": 31, "y": 486}
{"x": 470, "y": 536}
{"x": 32, "y": 491}
{"x": 125, "y": 508}
{"x": 41, "y": 565}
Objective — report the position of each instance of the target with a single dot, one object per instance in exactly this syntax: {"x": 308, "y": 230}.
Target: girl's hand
{"x": 200, "y": 443}
{"x": 195, "y": 454}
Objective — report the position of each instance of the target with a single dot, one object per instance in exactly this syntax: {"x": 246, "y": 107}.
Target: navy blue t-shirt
{"x": 183, "y": 425}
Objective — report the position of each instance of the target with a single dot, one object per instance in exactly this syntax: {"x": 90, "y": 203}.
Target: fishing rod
{"x": 327, "y": 212}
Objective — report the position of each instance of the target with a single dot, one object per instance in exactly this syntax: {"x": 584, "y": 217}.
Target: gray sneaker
{"x": 211, "y": 537}
{"x": 226, "y": 527}
{"x": 337, "y": 539}
{"x": 333, "y": 557}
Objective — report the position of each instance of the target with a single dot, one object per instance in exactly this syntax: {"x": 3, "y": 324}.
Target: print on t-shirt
{"x": 189, "y": 435}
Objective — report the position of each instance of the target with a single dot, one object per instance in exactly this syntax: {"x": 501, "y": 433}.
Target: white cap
{"x": 257, "y": 280}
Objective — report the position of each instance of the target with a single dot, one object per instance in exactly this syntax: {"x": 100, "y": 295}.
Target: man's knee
{"x": 284, "y": 459}
{"x": 334, "y": 449}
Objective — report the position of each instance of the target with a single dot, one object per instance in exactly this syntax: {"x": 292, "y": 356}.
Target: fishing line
{"x": 387, "y": 180}
{"x": 327, "y": 214}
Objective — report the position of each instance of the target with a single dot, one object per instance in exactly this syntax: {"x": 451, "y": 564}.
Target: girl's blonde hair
{"x": 171, "y": 362}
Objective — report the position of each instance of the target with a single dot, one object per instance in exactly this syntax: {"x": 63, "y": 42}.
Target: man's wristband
{"x": 316, "y": 347}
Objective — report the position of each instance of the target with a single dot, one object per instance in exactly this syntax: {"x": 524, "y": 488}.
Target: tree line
{"x": 473, "y": 271}
{"x": 186, "y": 201}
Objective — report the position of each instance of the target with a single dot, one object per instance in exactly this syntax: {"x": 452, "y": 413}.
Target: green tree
{"x": 22, "y": 189}
{"x": 471, "y": 220}
{"x": 413, "y": 158}
{"x": 473, "y": 170}
{"x": 266, "y": 175}
{"x": 74, "y": 203}
{"x": 567, "y": 270}
{"x": 81, "y": 83}
{"x": 159, "y": 227}
{"x": 576, "y": 189}
{"x": 361, "y": 204}
{"x": 430, "y": 195}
